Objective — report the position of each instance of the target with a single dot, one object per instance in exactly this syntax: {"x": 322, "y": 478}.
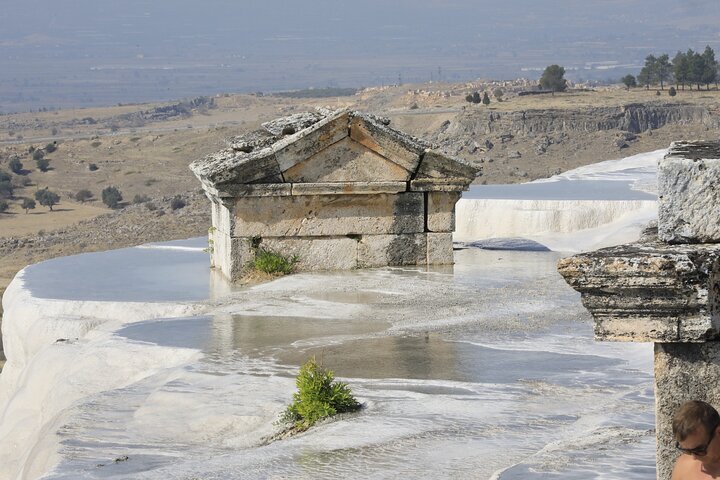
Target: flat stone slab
{"x": 348, "y": 188}
{"x": 689, "y": 193}
{"x": 439, "y": 185}
{"x": 650, "y": 291}
{"x": 250, "y": 190}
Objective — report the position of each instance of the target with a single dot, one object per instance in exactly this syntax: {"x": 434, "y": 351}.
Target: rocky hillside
{"x": 516, "y": 146}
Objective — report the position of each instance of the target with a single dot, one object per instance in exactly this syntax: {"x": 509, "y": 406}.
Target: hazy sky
{"x": 274, "y": 44}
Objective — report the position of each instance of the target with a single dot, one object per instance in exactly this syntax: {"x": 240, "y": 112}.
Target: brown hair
{"x": 692, "y": 415}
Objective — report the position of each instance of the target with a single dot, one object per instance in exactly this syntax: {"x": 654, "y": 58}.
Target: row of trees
{"x": 686, "y": 68}
{"x": 111, "y": 196}
{"x": 475, "y": 98}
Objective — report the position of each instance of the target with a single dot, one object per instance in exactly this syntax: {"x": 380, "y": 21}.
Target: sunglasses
{"x": 698, "y": 451}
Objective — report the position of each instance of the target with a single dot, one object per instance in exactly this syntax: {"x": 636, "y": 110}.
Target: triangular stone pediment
{"x": 333, "y": 147}
{"x": 346, "y": 161}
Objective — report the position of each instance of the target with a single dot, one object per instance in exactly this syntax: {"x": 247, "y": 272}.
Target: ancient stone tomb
{"x": 339, "y": 190}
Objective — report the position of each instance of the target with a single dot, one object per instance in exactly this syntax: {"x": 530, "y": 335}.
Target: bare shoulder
{"x": 683, "y": 467}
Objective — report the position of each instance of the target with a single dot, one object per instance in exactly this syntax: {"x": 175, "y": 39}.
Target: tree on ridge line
{"x": 553, "y": 78}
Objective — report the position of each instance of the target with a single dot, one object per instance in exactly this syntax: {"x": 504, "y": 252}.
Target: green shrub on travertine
{"x": 271, "y": 262}
{"x": 318, "y": 396}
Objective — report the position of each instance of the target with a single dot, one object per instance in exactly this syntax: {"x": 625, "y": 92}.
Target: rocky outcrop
{"x": 634, "y": 118}
{"x": 183, "y": 109}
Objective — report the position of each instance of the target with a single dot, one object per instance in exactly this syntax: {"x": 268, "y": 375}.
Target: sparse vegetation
{"x": 111, "y": 197}
{"x": 177, "y": 202}
{"x": 83, "y": 195}
{"x": 92, "y": 167}
{"x": 553, "y": 78}
{"x": 138, "y": 198}
{"x": 486, "y": 99}
{"x": 47, "y": 198}
{"x": 28, "y": 204}
{"x": 37, "y": 154}
{"x": 16, "y": 166}
{"x": 21, "y": 181}
{"x": 211, "y": 243}
{"x": 629, "y": 81}
{"x": 318, "y": 397}
{"x": 686, "y": 68}
{"x": 42, "y": 163}
{"x": 271, "y": 262}
{"x": 672, "y": 92}
{"x": 50, "y": 147}
{"x": 4, "y": 206}
{"x": 6, "y": 186}
{"x": 318, "y": 93}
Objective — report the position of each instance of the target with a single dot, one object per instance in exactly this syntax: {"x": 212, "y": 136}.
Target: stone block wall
{"x": 335, "y": 231}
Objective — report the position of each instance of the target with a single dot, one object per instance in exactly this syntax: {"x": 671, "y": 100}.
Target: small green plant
{"x": 272, "y": 262}
{"x": 211, "y": 243}
{"x": 318, "y": 396}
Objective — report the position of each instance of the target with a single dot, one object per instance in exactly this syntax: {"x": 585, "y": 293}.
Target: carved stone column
{"x": 665, "y": 287}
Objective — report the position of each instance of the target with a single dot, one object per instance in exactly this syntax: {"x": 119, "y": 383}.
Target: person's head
{"x": 695, "y": 426}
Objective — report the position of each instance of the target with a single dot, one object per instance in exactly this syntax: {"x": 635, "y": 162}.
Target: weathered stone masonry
{"x": 666, "y": 287}
{"x": 340, "y": 190}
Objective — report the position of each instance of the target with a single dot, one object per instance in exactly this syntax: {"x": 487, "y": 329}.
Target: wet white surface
{"x": 598, "y": 205}
{"x": 487, "y": 368}
{"x": 138, "y": 363}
